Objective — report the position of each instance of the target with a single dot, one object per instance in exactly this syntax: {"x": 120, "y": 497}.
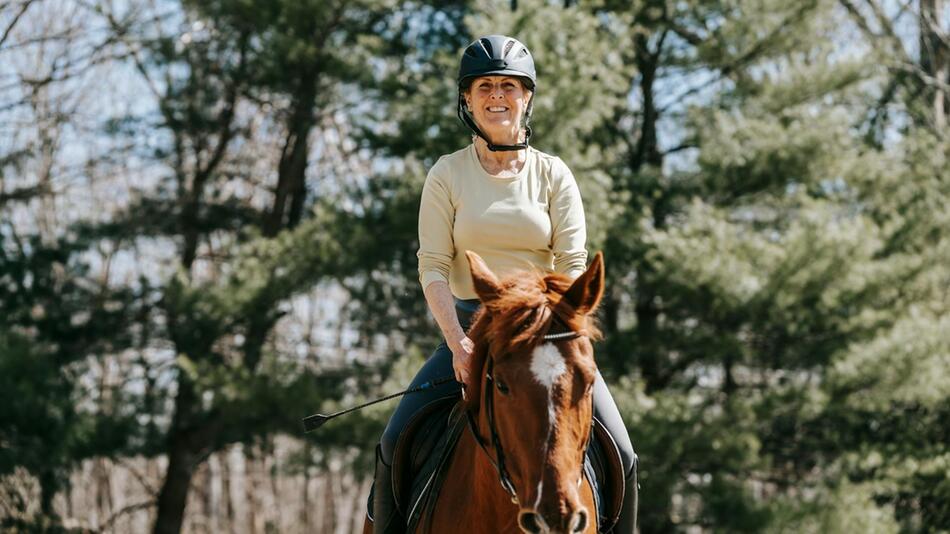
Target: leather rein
{"x": 499, "y": 459}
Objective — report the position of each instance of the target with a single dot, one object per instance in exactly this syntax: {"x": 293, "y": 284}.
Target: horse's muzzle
{"x": 532, "y": 523}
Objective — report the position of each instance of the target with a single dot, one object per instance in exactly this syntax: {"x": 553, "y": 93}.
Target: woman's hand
{"x": 462, "y": 351}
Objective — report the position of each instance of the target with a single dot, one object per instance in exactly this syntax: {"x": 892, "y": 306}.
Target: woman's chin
{"x": 497, "y": 123}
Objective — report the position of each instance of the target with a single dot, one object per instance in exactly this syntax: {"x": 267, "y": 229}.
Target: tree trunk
{"x": 647, "y": 150}
{"x": 216, "y": 492}
{"x": 48, "y": 488}
{"x": 174, "y": 494}
{"x": 935, "y": 59}
{"x": 647, "y": 154}
{"x": 647, "y": 334}
{"x": 291, "y": 171}
{"x": 189, "y": 439}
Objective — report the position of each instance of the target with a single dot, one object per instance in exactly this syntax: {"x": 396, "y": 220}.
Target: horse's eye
{"x": 502, "y": 387}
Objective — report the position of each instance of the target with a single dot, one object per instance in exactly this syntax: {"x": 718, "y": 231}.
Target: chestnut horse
{"x": 519, "y": 465}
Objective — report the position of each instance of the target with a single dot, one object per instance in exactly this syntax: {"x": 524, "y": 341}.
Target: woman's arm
{"x": 436, "y": 249}
{"x": 568, "y": 227}
{"x": 442, "y": 305}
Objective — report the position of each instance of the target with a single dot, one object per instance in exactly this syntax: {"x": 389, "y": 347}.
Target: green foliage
{"x": 37, "y": 420}
{"x": 50, "y": 322}
{"x": 906, "y": 365}
{"x": 838, "y": 510}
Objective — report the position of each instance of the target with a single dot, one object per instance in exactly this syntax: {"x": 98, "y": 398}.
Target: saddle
{"x": 421, "y": 456}
{"x": 426, "y": 444}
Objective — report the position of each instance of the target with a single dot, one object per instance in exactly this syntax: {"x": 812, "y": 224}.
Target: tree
{"x": 289, "y": 64}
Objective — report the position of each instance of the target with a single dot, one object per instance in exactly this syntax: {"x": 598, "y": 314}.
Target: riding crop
{"x": 315, "y": 421}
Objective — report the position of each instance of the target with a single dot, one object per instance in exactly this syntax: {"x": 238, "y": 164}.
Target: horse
{"x": 518, "y": 468}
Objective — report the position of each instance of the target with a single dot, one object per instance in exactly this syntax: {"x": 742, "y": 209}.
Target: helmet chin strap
{"x": 508, "y": 148}
{"x": 469, "y": 121}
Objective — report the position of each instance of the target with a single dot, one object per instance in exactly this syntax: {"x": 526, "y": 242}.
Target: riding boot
{"x": 384, "y": 513}
{"x": 627, "y": 522}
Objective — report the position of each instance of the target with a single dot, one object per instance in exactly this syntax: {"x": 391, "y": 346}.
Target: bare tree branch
{"x": 16, "y": 18}
{"x": 885, "y": 24}
{"x": 121, "y": 32}
{"x": 24, "y": 193}
{"x": 226, "y": 119}
{"x": 687, "y": 35}
{"x": 679, "y": 148}
{"x": 126, "y": 510}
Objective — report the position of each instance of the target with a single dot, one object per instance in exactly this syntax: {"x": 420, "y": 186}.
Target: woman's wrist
{"x": 455, "y": 336}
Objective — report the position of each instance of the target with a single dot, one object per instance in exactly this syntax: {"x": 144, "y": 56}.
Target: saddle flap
{"x": 418, "y": 445}
{"x": 604, "y": 456}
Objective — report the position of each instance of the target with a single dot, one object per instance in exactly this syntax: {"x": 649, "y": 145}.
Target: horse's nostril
{"x": 529, "y": 522}
{"x": 579, "y": 521}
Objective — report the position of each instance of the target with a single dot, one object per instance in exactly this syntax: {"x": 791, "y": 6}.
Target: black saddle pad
{"x": 421, "y": 456}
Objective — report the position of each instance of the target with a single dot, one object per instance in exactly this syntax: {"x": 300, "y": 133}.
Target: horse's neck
{"x": 472, "y": 494}
{"x": 487, "y": 483}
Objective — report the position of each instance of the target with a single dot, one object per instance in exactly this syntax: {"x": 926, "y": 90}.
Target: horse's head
{"x": 533, "y": 347}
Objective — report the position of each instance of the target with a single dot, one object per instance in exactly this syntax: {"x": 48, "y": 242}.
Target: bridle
{"x": 499, "y": 459}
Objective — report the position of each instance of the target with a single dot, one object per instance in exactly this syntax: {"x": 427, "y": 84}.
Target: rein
{"x": 499, "y": 460}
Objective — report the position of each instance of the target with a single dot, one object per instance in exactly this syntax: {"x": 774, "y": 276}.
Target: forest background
{"x": 208, "y": 230}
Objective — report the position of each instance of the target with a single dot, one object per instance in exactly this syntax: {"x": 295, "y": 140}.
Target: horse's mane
{"x": 518, "y": 319}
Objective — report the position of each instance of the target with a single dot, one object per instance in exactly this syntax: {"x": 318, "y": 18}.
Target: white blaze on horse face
{"x": 547, "y": 366}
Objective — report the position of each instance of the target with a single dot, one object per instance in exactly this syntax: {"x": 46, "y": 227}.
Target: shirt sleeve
{"x": 568, "y": 227}
{"x": 436, "y": 220}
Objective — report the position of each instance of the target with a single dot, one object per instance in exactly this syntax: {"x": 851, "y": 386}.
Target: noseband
{"x": 499, "y": 460}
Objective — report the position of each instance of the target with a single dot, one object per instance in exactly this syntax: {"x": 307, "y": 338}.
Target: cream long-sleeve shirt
{"x": 534, "y": 220}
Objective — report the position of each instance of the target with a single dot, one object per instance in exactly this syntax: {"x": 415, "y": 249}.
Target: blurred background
{"x": 208, "y": 230}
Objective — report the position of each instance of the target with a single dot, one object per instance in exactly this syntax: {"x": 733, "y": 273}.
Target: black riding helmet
{"x": 496, "y": 55}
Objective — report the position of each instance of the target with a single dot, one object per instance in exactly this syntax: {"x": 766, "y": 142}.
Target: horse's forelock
{"x": 515, "y": 320}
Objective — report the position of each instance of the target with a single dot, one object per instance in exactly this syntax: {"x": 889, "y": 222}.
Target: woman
{"x": 519, "y": 209}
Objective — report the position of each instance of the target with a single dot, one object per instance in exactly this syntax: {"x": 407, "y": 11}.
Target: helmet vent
{"x": 508, "y": 46}
{"x": 523, "y": 53}
{"x": 487, "y": 45}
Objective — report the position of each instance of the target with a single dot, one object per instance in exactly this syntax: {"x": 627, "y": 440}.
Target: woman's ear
{"x": 467, "y": 96}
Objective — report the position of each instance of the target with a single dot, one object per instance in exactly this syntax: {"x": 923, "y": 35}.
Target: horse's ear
{"x": 587, "y": 290}
{"x": 486, "y": 283}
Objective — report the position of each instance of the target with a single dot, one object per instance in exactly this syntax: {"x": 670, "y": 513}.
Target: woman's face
{"x": 498, "y": 103}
